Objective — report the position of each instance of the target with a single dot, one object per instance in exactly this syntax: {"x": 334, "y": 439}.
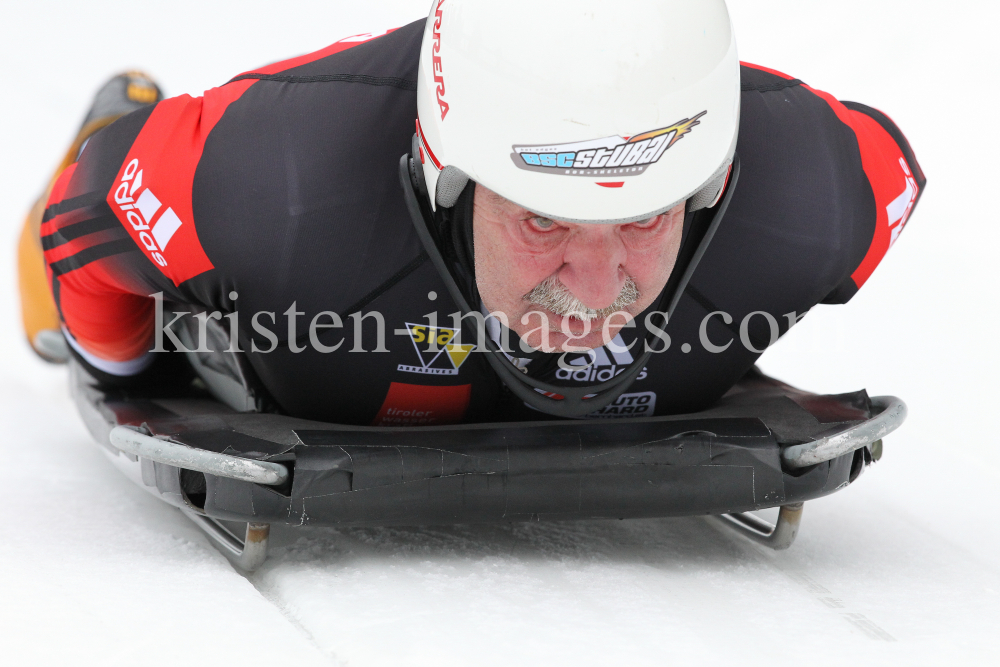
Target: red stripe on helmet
{"x": 423, "y": 141}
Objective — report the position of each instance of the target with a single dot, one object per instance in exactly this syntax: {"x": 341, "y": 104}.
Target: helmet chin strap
{"x": 575, "y": 401}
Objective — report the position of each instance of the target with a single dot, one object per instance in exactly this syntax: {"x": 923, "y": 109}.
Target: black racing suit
{"x": 278, "y": 194}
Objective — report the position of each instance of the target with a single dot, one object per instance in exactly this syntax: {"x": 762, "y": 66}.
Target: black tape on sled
{"x": 726, "y": 459}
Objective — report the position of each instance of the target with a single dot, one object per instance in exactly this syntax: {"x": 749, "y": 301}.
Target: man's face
{"x": 561, "y": 281}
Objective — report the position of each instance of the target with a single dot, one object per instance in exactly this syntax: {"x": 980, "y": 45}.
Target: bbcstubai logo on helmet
{"x": 610, "y": 156}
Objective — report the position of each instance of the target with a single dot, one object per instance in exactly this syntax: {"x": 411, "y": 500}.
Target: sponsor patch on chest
{"x": 435, "y": 353}
{"x": 419, "y": 405}
{"x": 639, "y": 404}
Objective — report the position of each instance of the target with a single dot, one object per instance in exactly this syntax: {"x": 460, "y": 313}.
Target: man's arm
{"x": 119, "y": 224}
{"x": 895, "y": 177}
{"x": 96, "y": 272}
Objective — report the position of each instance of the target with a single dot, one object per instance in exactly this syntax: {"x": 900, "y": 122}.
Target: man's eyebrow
{"x": 503, "y": 207}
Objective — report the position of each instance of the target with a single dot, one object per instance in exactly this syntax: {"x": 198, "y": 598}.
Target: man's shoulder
{"x": 376, "y": 59}
{"x": 802, "y": 214}
{"x": 305, "y": 163}
{"x": 757, "y": 78}
{"x": 826, "y": 186}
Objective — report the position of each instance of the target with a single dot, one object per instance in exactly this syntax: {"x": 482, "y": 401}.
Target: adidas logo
{"x": 600, "y": 364}
{"x": 154, "y": 235}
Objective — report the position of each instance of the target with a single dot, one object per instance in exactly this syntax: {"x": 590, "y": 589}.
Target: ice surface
{"x": 902, "y": 568}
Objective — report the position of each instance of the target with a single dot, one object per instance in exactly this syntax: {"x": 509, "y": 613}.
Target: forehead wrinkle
{"x": 501, "y": 207}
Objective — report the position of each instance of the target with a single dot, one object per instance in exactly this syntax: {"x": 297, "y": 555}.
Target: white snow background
{"x": 902, "y": 568}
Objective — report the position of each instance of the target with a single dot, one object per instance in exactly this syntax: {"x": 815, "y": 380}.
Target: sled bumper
{"x": 725, "y": 460}
{"x": 528, "y": 472}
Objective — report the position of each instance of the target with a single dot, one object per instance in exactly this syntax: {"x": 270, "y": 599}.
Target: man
{"x": 642, "y": 215}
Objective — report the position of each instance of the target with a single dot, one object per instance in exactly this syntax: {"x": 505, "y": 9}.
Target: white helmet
{"x": 583, "y": 111}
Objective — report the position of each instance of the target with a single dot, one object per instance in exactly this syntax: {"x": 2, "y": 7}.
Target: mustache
{"x": 552, "y": 295}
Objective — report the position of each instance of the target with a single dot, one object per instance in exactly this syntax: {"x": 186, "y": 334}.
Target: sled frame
{"x": 247, "y": 553}
{"x": 777, "y": 536}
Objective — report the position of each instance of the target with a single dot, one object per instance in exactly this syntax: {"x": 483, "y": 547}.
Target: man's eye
{"x": 645, "y": 224}
{"x": 543, "y": 223}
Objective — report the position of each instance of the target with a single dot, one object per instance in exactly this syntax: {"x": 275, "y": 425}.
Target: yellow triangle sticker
{"x": 458, "y": 353}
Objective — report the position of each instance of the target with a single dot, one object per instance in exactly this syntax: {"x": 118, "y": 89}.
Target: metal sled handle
{"x": 891, "y": 413}
{"x": 191, "y": 458}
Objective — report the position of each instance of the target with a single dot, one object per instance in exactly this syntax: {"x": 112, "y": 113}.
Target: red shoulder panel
{"x": 896, "y": 190}
{"x": 151, "y": 195}
{"x": 58, "y": 192}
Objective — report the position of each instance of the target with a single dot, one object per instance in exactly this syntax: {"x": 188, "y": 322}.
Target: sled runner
{"x": 234, "y": 471}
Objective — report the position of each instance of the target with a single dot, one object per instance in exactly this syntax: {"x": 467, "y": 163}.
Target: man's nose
{"x": 592, "y": 266}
